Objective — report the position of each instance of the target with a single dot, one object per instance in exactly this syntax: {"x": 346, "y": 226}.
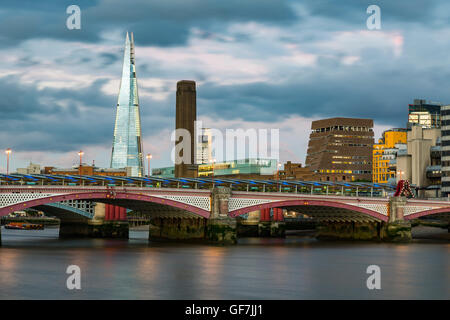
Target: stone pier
{"x": 177, "y": 229}
{"x": 395, "y": 230}
{"x": 349, "y": 231}
{"x": 93, "y": 229}
{"x": 221, "y": 228}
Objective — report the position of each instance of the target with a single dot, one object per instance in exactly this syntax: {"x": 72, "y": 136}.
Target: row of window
{"x": 345, "y": 171}
{"x": 342, "y": 128}
{"x": 351, "y": 162}
{"x": 349, "y": 144}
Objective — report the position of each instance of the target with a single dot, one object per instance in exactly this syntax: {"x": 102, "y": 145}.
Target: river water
{"x": 33, "y": 266}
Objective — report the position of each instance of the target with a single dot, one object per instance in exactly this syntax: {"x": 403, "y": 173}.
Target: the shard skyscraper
{"x": 127, "y": 142}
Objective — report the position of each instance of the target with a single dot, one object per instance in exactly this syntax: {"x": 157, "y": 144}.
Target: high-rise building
{"x": 204, "y": 147}
{"x": 340, "y": 149}
{"x": 420, "y": 163}
{"x": 186, "y": 115}
{"x": 425, "y": 114}
{"x": 385, "y": 155}
{"x": 445, "y": 151}
{"x": 127, "y": 142}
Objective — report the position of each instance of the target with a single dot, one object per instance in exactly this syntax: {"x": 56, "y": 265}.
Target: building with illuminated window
{"x": 445, "y": 151}
{"x": 384, "y": 162}
{"x": 340, "y": 149}
{"x": 127, "y": 141}
{"x": 204, "y": 149}
{"x": 426, "y": 114}
{"x": 421, "y": 162}
{"x": 238, "y": 169}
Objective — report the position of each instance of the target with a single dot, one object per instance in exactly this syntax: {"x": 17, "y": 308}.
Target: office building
{"x": 340, "y": 149}
{"x": 32, "y": 168}
{"x": 204, "y": 147}
{"x": 127, "y": 141}
{"x": 445, "y": 151}
{"x": 294, "y": 171}
{"x": 238, "y": 169}
{"x": 384, "y": 162}
{"x": 423, "y": 113}
{"x": 420, "y": 163}
{"x": 88, "y": 170}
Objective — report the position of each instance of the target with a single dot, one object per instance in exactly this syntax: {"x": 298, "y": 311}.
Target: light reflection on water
{"x": 33, "y": 265}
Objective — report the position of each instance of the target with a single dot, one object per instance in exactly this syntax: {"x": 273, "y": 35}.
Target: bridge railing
{"x": 357, "y": 189}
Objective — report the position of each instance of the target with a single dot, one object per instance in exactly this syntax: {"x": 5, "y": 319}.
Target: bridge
{"x": 205, "y": 207}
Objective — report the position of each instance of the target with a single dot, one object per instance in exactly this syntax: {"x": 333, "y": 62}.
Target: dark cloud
{"x": 392, "y": 12}
{"x": 379, "y": 86}
{"x": 64, "y": 119}
{"x": 162, "y": 23}
{"x": 381, "y": 95}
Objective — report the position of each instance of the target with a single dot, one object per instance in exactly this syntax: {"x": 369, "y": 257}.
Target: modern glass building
{"x": 262, "y": 167}
{"x": 127, "y": 142}
{"x": 425, "y": 114}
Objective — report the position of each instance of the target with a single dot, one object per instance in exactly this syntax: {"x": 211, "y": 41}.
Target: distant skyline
{"x": 257, "y": 64}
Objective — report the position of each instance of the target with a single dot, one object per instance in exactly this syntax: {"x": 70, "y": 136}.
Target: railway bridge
{"x": 209, "y": 208}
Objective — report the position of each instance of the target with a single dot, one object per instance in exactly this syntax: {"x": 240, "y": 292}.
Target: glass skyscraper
{"x": 127, "y": 142}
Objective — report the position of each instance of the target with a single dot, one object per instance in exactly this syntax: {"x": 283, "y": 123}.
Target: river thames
{"x": 33, "y": 266}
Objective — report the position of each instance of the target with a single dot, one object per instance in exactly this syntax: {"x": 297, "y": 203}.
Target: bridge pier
{"x": 94, "y": 229}
{"x": 220, "y": 227}
{"x": 177, "y": 229}
{"x": 397, "y": 228}
{"x": 349, "y": 231}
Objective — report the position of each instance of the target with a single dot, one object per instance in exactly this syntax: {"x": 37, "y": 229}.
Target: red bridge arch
{"x": 103, "y": 195}
{"x": 303, "y": 203}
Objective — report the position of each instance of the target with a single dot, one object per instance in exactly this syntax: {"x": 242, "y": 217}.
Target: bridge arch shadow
{"x": 128, "y": 200}
{"x": 317, "y": 209}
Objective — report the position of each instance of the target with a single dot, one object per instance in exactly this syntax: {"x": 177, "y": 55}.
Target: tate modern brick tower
{"x": 186, "y": 115}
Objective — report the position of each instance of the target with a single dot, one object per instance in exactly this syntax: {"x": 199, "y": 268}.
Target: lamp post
{"x": 8, "y": 152}
{"x": 80, "y": 153}
{"x": 149, "y": 156}
{"x": 213, "y": 161}
{"x": 278, "y": 174}
{"x": 400, "y": 174}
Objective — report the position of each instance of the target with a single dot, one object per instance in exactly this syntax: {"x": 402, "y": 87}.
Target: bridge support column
{"x": 333, "y": 230}
{"x": 94, "y": 229}
{"x": 177, "y": 229}
{"x": 220, "y": 228}
{"x": 264, "y": 228}
{"x": 397, "y": 229}
{"x": 278, "y": 229}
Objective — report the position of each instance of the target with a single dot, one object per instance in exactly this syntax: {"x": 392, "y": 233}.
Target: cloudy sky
{"x": 257, "y": 63}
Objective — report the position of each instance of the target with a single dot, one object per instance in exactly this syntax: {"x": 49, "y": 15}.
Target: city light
{"x": 8, "y": 152}
{"x": 149, "y": 156}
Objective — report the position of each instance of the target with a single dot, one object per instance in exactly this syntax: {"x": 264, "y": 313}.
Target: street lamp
{"x": 8, "y": 152}
{"x": 400, "y": 174}
{"x": 213, "y": 161}
{"x": 278, "y": 174}
{"x": 80, "y": 153}
{"x": 149, "y": 156}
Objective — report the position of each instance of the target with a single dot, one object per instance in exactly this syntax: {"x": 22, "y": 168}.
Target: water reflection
{"x": 33, "y": 265}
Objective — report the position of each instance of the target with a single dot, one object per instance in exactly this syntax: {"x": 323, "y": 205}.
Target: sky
{"x": 258, "y": 64}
